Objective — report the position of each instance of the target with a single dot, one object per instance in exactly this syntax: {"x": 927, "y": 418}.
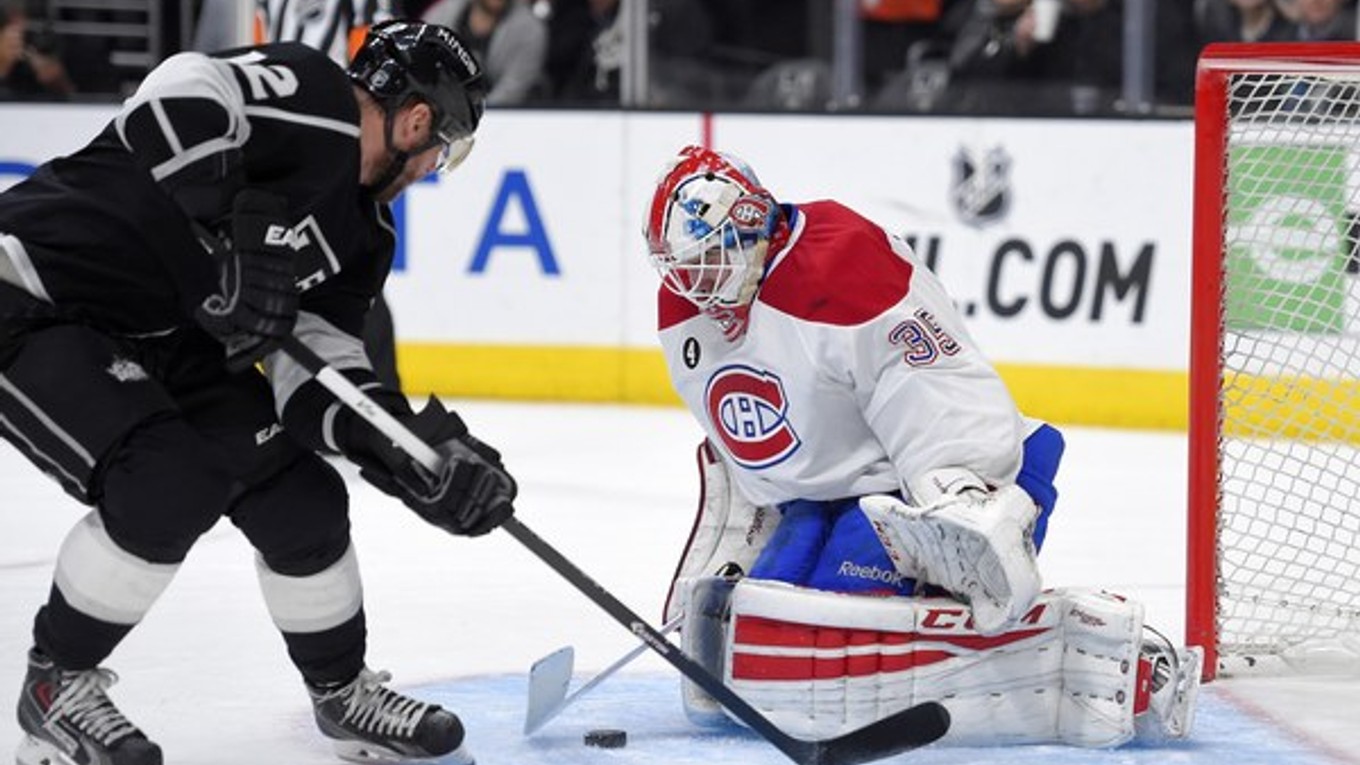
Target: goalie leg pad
{"x": 819, "y": 664}
{"x": 729, "y": 532}
{"x": 1101, "y": 636}
{"x": 703, "y": 638}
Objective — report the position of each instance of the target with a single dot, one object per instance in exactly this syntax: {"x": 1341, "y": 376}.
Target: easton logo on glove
{"x": 256, "y": 304}
{"x": 283, "y": 236}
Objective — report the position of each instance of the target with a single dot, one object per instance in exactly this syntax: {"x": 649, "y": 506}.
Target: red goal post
{"x": 1273, "y": 564}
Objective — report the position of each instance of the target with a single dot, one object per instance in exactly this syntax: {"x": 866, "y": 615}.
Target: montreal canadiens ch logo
{"x": 750, "y": 412}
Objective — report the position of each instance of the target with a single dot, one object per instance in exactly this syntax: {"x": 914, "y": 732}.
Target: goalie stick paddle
{"x": 550, "y": 676}
{"x": 908, "y": 729}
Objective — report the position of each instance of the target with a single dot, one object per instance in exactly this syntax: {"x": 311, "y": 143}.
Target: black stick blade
{"x": 911, "y": 728}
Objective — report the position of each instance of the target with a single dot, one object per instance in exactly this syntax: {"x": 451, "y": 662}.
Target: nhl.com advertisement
{"x": 1065, "y": 243}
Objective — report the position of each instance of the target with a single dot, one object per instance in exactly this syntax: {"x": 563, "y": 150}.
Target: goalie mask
{"x": 708, "y": 232}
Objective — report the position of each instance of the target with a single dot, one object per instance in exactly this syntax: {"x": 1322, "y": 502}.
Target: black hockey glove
{"x": 471, "y": 494}
{"x": 258, "y": 302}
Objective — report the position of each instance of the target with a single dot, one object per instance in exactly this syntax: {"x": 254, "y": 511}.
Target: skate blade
{"x": 372, "y": 754}
{"x": 35, "y": 751}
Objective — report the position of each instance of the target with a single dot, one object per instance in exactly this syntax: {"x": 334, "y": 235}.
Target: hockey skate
{"x": 69, "y": 720}
{"x": 370, "y": 722}
{"x": 1173, "y": 682}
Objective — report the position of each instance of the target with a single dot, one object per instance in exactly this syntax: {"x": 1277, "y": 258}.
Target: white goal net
{"x": 1277, "y": 359}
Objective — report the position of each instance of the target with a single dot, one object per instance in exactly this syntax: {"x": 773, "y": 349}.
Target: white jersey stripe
{"x": 47, "y": 422}
{"x": 17, "y": 268}
{"x": 32, "y": 450}
{"x": 167, "y": 127}
{"x": 269, "y": 112}
{"x": 183, "y": 159}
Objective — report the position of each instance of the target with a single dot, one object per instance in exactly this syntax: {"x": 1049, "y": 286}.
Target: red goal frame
{"x": 1217, "y": 63}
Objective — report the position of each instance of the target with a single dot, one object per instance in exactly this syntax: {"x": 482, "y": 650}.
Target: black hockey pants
{"x": 162, "y": 441}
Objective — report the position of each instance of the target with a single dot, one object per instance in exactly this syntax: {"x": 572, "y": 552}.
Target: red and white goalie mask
{"x": 708, "y": 233}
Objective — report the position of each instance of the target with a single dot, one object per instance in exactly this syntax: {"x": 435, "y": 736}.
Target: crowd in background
{"x": 950, "y": 56}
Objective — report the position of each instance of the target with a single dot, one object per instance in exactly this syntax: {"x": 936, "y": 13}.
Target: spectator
{"x": 991, "y": 60}
{"x": 922, "y": 81}
{"x": 507, "y": 37}
{"x": 1079, "y": 70}
{"x": 890, "y": 29}
{"x": 1245, "y": 21}
{"x": 1325, "y": 20}
{"x": 1086, "y": 53}
{"x": 684, "y": 69}
{"x": 30, "y": 67}
{"x": 1176, "y": 53}
{"x": 587, "y": 49}
{"x": 569, "y": 31}
{"x": 586, "y": 60}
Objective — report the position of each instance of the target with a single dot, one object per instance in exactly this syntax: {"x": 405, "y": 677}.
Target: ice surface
{"x": 613, "y": 488}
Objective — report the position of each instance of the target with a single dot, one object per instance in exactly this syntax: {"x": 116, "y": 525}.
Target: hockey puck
{"x": 607, "y": 738}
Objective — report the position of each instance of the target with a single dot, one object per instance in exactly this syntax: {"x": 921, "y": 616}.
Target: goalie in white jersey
{"x": 873, "y": 500}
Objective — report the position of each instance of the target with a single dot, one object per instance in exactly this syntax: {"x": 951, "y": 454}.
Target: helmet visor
{"x": 452, "y": 152}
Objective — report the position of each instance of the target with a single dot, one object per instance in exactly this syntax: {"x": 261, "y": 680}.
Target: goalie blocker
{"x": 1076, "y": 667}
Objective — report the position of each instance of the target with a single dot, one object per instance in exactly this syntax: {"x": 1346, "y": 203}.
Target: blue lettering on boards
{"x": 515, "y": 185}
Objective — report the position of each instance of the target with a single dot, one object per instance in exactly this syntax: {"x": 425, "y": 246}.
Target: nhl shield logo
{"x": 981, "y": 190}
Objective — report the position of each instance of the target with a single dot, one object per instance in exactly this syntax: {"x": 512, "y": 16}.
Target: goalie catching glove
{"x": 469, "y": 496}
{"x": 960, "y": 534}
{"x": 257, "y": 302}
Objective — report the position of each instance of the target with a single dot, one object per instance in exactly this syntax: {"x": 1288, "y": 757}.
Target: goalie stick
{"x": 900, "y": 732}
{"x": 550, "y": 676}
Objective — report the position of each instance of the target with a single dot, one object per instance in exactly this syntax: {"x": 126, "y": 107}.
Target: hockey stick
{"x": 550, "y": 676}
{"x": 908, "y": 729}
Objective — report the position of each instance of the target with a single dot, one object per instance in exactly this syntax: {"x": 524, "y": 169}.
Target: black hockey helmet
{"x": 401, "y": 60}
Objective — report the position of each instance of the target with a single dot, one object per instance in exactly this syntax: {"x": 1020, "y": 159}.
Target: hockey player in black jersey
{"x": 145, "y": 282}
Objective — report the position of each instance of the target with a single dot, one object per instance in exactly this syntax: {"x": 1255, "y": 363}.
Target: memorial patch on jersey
{"x": 690, "y": 352}
{"x": 749, "y": 410}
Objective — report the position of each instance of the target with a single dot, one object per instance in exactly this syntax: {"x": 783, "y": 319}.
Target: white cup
{"x": 1046, "y": 14}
